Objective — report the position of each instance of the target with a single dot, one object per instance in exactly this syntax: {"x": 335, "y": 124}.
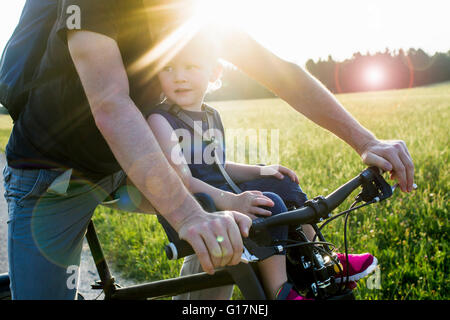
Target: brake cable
{"x": 352, "y": 208}
{"x": 347, "y": 214}
{"x": 296, "y": 243}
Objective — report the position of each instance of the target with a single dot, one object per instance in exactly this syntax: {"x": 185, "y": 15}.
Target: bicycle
{"x": 311, "y": 265}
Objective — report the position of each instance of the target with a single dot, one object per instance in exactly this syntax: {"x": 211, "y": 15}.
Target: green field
{"x": 409, "y": 233}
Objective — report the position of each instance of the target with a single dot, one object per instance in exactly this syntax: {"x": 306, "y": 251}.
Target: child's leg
{"x": 309, "y": 231}
{"x": 273, "y": 269}
{"x": 288, "y": 190}
{"x": 273, "y": 272}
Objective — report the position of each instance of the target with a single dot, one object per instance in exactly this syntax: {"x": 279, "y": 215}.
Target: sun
{"x": 199, "y": 14}
{"x": 374, "y": 75}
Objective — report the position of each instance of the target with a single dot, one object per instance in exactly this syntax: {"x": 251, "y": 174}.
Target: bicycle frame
{"x": 245, "y": 276}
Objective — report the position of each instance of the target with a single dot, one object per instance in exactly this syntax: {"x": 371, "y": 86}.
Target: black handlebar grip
{"x": 178, "y": 249}
{"x": 334, "y": 199}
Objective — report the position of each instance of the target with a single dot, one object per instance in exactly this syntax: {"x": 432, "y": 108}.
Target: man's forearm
{"x": 312, "y": 99}
{"x": 296, "y": 86}
{"x": 138, "y": 152}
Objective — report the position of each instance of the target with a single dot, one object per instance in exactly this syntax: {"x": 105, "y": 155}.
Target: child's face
{"x": 185, "y": 79}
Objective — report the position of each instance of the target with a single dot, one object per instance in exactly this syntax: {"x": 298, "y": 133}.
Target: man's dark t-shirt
{"x": 56, "y": 128}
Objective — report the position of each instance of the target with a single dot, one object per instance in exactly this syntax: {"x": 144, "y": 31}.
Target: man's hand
{"x": 216, "y": 237}
{"x": 392, "y": 156}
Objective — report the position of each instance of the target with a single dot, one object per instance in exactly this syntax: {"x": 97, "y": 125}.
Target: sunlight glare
{"x": 242, "y": 14}
{"x": 165, "y": 50}
{"x": 374, "y": 75}
{"x": 205, "y": 12}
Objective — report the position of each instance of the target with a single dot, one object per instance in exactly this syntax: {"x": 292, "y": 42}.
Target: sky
{"x": 298, "y": 30}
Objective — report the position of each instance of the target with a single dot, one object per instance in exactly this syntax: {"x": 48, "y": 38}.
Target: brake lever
{"x": 374, "y": 187}
{"x": 395, "y": 186}
{"x": 256, "y": 252}
{"x": 248, "y": 257}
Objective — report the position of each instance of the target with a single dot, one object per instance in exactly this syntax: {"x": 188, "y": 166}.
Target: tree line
{"x": 396, "y": 69}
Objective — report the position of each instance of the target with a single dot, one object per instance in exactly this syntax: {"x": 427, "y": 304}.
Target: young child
{"x": 185, "y": 81}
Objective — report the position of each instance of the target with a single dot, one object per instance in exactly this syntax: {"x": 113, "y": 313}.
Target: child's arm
{"x": 239, "y": 172}
{"x": 246, "y": 202}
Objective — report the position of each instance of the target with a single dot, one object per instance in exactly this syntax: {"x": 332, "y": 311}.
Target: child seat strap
{"x": 176, "y": 111}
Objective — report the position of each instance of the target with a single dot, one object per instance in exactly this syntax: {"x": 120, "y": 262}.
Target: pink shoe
{"x": 360, "y": 265}
{"x": 286, "y": 292}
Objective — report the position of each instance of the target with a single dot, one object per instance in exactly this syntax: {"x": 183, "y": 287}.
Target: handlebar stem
{"x": 320, "y": 207}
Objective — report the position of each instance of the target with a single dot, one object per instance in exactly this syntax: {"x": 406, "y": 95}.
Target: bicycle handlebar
{"x": 374, "y": 188}
{"x": 313, "y": 211}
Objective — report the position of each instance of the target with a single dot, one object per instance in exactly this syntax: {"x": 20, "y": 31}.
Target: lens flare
{"x": 375, "y": 75}
{"x": 188, "y": 17}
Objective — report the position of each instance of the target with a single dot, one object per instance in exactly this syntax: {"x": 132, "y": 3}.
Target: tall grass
{"x": 5, "y": 129}
{"x": 409, "y": 233}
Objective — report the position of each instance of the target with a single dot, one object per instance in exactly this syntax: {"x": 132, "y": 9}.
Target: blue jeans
{"x": 48, "y": 214}
{"x": 289, "y": 191}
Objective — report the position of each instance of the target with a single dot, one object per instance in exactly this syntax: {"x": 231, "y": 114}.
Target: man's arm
{"x": 99, "y": 64}
{"x": 308, "y": 96}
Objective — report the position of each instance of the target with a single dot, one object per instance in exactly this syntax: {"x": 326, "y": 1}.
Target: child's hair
{"x": 207, "y": 46}
{"x": 173, "y": 28}
{"x": 174, "y": 25}
{"x": 206, "y": 43}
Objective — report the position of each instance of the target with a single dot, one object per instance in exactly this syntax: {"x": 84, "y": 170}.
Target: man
{"x": 80, "y": 130}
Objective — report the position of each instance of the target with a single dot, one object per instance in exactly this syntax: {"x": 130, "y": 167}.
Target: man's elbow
{"x": 106, "y": 111}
